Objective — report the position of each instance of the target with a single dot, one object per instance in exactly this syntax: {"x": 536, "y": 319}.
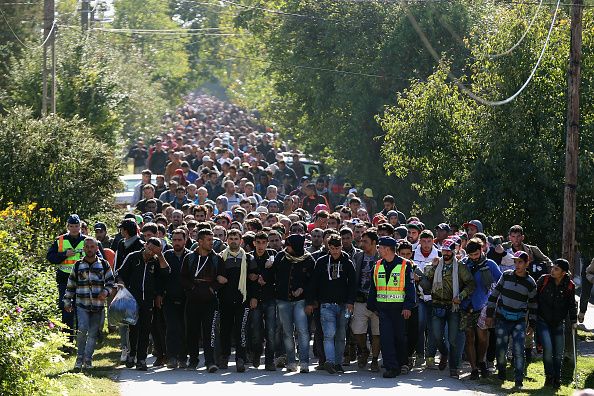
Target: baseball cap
{"x": 448, "y": 244}
{"x": 476, "y": 223}
{"x": 414, "y": 224}
{"x": 520, "y": 254}
{"x": 320, "y": 207}
{"x": 443, "y": 227}
{"x": 262, "y": 209}
{"x": 100, "y": 226}
{"x": 206, "y": 158}
{"x": 353, "y": 191}
{"x": 386, "y": 241}
{"x": 73, "y": 219}
{"x": 368, "y": 192}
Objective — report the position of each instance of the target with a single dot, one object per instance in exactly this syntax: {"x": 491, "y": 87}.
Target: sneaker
{"x": 281, "y": 362}
{"x": 224, "y": 363}
{"x": 78, "y": 364}
{"x": 124, "y": 356}
{"x": 404, "y": 369}
{"x": 141, "y": 365}
{"x": 159, "y": 362}
{"x": 172, "y": 363}
{"x": 339, "y": 368}
{"x": 240, "y": 366}
{"x": 443, "y": 363}
{"x": 501, "y": 375}
{"x": 303, "y": 368}
{"x": 182, "y": 364}
{"x": 193, "y": 365}
{"x": 484, "y": 370}
{"x": 519, "y": 384}
{"x": 419, "y": 361}
{"x": 390, "y": 374}
{"x": 454, "y": 374}
{"x": 130, "y": 361}
{"x": 474, "y": 375}
{"x": 374, "y": 366}
{"x": 362, "y": 361}
{"x": 329, "y": 367}
{"x": 88, "y": 365}
{"x": 269, "y": 367}
{"x": 320, "y": 367}
{"x": 346, "y": 361}
{"x": 256, "y": 360}
{"x": 212, "y": 368}
{"x": 292, "y": 367}
{"x": 430, "y": 363}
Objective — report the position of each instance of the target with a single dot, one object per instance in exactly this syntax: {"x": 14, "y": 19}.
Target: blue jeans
{"x": 452, "y": 319}
{"x": 263, "y": 325}
{"x": 88, "y": 331}
{"x": 553, "y": 344}
{"x": 517, "y": 330}
{"x": 426, "y": 346}
{"x": 334, "y": 326}
{"x": 292, "y": 316}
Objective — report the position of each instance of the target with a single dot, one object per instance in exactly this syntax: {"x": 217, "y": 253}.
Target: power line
{"x": 20, "y": 41}
{"x": 166, "y": 32}
{"x": 461, "y": 86}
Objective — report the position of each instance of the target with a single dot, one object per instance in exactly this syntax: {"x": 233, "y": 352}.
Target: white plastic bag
{"x": 123, "y": 309}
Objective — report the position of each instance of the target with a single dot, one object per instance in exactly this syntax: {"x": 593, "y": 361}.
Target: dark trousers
{"x": 175, "y": 334}
{"x": 139, "y": 333}
{"x": 393, "y": 337}
{"x": 158, "y": 330}
{"x": 263, "y": 327}
{"x": 319, "y": 337}
{"x": 201, "y": 325}
{"x": 67, "y": 317}
{"x": 412, "y": 333}
{"x": 234, "y": 319}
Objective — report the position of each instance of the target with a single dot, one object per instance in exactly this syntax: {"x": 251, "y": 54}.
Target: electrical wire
{"x": 20, "y": 41}
{"x": 166, "y": 33}
{"x": 461, "y": 86}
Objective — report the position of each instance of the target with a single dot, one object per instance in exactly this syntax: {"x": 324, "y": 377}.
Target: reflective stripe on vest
{"x": 68, "y": 263}
{"x": 391, "y": 290}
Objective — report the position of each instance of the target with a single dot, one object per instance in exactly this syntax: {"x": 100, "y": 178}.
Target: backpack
{"x": 104, "y": 264}
{"x": 545, "y": 281}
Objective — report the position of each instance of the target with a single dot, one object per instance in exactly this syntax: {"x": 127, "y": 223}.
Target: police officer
{"x": 66, "y": 250}
{"x": 392, "y": 296}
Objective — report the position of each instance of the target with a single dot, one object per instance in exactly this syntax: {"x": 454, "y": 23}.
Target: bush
{"x": 30, "y": 337}
{"x": 57, "y": 163}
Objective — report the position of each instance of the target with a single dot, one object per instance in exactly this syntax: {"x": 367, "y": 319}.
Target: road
{"x": 258, "y": 382}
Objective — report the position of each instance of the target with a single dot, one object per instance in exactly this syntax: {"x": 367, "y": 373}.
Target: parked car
{"x": 311, "y": 166}
{"x": 124, "y": 197}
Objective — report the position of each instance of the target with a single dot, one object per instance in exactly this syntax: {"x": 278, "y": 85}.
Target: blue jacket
{"x": 482, "y": 271}
{"x": 409, "y": 287}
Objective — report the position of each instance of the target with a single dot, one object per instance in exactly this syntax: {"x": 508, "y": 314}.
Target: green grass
{"x": 535, "y": 377}
{"x": 100, "y": 380}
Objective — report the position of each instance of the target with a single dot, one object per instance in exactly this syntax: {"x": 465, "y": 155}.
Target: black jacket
{"x": 289, "y": 276}
{"x": 555, "y": 301}
{"x": 265, "y": 292}
{"x": 123, "y": 250}
{"x": 173, "y": 290}
{"x": 329, "y": 287}
{"x": 144, "y": 279}
{"x": 200, "y": 288}
{"x": 231, "y": 269}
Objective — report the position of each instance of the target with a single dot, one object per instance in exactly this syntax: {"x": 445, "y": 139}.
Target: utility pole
{"x": 84, "y": 15}
{"x": 572, "y": 143}
{"x": 571, "y": 159}
{"x": 48, "y": 99}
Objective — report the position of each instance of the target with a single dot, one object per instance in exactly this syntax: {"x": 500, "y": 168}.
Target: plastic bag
{"x": 123, "y": 308}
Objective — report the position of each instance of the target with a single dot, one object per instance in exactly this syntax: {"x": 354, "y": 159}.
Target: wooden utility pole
{"x": 84, "y": 15}
{"x": 48, "y": 99}
{"x": 573, "y": 127}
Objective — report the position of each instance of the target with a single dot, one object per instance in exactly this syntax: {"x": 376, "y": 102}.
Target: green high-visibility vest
{"x": 63, "y": 245}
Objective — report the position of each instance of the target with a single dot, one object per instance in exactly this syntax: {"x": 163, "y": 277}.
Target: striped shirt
{"x": 86, "y": 282}
{"x": 513, "y": 293}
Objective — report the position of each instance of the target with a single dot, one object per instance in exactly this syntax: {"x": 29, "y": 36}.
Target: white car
{"x": 124, "y": 197}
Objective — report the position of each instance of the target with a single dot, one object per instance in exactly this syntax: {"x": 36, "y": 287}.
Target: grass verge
{"x": 100, "y": 380}
{"x": 535, "y": 377}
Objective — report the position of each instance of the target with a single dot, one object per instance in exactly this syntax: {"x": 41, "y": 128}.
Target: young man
{"x": 451, "y": 283}
{"x": 513, "y": 298}
{"x": 364, "y": 265}
{"x": 236, "y": 275}
{"x": 263, "y": 317}
{"x": 556, "y": 301}
{"x": 143, "y": 273}
{"x": 333, "y": 286}
{"x": 391, "y": 296}
{"x": 485, "y": 273}
{"x": 91, "y": 282}
{"x": 198, "y": 279}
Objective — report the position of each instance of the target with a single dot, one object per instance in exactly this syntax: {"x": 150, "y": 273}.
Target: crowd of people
{"x": 231, "y": 248}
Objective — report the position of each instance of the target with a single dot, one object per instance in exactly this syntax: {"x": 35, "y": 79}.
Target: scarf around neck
{"x": 438, "y": 280}
{"x": 242, "y": 286}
